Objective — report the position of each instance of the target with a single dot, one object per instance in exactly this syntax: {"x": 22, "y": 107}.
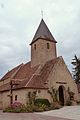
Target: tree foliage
{"x": 76, "y": 69}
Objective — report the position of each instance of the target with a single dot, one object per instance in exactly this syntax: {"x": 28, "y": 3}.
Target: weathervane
{"x": 42, "y": 13}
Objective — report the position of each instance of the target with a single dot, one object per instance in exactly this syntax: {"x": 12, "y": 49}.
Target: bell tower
{"x": 43, "y": 46}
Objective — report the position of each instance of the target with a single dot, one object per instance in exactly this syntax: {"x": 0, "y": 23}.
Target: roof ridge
{"x": 13, "y": 69}
{"x": 48, "y": 64}
{"x": 32, "y": 77}
{"x": 37, "y": 72}
{"x": 13, "y": 75}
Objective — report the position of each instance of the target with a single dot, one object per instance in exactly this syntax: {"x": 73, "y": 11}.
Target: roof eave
{"x": 25, "y": 88}
{"x": 43, "y": 39}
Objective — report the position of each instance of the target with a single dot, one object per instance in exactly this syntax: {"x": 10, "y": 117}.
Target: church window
{"x": 35, "y": 46}
{"x": 15, "y": 97}
{"x": 48, "y": 46}
{"x": 39, "y": 91}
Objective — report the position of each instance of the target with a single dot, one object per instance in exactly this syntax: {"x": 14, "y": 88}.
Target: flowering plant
{"x": 16, "y": 105}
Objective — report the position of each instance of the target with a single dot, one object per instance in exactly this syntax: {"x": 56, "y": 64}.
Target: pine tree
{"x": 76, "y": 69}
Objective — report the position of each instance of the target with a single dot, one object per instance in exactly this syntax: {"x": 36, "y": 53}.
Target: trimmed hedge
{"x": 42, "y": 101}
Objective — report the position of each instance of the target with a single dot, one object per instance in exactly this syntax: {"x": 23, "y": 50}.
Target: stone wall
{"x": 79, "y": 97}
{"x": 60, "y": 76}
{"x": 22, "y": 96}
{"x": 42, "y": 54}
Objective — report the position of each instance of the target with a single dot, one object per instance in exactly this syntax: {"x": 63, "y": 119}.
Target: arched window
{"x": 48, "y": 46}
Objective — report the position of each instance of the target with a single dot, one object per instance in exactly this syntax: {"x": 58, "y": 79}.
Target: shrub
{"x": 42, "y": 102}
{"x": 32, "y": 97}
{"x": 53, "y": 94}
{"x": 40, "y": 108}
{"x": 56, "y": 105}
{"x": 16, "y": 105}
{"x": 29, "y": 107}
{"x": 78, "y": 102}
{"x": 68, "y": 102}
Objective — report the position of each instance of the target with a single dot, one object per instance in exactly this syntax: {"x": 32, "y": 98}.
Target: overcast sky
{"x": 19, "y": 20}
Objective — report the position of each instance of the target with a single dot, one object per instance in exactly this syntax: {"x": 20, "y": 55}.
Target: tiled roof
{"x": 27, "y": 78}
{"x": 43, "y": 32}
{"x": 26, "y": 71}
{"x": 41, "y": 79}
{"x": 5, "y": 87}
{"x": 10, "y": 73}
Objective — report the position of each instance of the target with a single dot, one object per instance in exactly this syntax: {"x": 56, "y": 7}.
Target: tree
{"x": 76, "y": 69}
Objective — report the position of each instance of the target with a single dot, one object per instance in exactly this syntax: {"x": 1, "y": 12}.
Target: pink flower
{"x": 16, "y": 105}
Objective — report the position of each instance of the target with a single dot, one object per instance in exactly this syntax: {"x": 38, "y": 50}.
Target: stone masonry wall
{"x": 42, "y": 54}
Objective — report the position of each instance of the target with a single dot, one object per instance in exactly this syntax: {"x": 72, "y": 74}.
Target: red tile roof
{"x": 5, "y": 87}
{"x": 26, "y": 71}
{"x": 10, "y": 73}
{"x": 26, "y": 76}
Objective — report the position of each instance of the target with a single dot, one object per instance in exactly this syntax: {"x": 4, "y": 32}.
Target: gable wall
{"x": 61, "y": 76}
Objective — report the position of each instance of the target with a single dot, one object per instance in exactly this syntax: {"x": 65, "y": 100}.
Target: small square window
{"x": 35, "y": 46}
{"x": 48, "y": 46}
{"x": 39, "y": 91}
{"x": 15, "y": 97}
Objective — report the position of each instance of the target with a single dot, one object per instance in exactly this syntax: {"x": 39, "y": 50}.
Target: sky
{"x": 19, "y": 20}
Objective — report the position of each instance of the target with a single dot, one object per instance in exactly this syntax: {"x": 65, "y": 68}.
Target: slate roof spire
{"x": 43, "y": 32}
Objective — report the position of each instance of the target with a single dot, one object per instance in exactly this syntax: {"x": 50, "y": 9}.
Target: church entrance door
{"x": 61, "y": 95}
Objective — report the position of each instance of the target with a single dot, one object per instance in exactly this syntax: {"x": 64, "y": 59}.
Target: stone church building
{"x": 44, "y": 71}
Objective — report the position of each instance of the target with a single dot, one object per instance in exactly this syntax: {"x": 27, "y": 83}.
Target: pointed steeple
{"x": 43, "y": 46}
{"x": 43, "y": 33}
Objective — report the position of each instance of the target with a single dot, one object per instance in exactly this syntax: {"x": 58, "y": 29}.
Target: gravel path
{"x": 27, "y": 116}
{"x": 65, "y": 113}
{"x": 70, "y": 112}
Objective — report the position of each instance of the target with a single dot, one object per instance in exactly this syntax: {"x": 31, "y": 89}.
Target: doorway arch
{"x": 61, "y": 95}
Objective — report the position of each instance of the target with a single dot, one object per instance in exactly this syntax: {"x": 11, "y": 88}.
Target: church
{"x": 44, "y": 71}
